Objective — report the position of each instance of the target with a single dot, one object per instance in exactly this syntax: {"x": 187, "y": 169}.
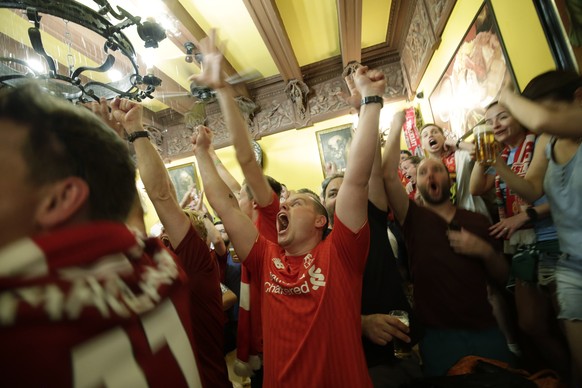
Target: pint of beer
{"x": 484, "y": 144}
{"x": 401, "y": 349}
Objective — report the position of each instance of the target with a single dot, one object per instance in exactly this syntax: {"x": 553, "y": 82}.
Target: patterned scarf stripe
{"x": 508, "y": 203}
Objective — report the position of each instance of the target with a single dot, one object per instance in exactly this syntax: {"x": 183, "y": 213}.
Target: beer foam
{"x": 482, "y": 129}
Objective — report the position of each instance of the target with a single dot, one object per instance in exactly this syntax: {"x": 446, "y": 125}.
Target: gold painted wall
{"x": 292, "y": 156}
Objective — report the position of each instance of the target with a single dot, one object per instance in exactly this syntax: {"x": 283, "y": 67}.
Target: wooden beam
{"x": 190, "y": 31}
{"x": 270, "y": 25}
{"x": 400, "y": 17}
{"x": 350, "y": 28}
{"x": 393, "y": 20}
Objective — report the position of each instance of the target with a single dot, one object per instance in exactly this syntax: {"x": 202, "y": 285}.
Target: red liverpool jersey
{"x": 311, "y": 311}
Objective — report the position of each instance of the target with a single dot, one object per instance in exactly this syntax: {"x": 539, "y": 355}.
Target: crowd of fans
{"x": 292, "y": 287}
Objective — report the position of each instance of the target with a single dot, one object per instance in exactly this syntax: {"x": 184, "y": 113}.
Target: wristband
{"x": 136, "y": 135}
{"x": 372, "y": 100}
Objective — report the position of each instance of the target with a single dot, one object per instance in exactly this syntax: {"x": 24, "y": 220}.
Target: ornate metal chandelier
{"x": 88, "y": 47}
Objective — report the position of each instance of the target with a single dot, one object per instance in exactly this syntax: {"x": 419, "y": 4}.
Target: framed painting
{"x": 557, "y": 17}
{"x": 333, "y": 144}
{"x": 184, "y": 178}
{"x": 473, "y": 78}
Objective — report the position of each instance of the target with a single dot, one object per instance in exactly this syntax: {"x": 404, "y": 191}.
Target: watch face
{"x": 258, "y": 152}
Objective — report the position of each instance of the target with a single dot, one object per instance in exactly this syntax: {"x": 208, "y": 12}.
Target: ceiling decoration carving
{"x": 281, "y": 38}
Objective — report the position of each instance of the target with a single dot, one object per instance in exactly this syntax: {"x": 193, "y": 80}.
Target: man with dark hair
{"x": 452, "y": 259}
{"x": 404, "y": 154}
{"x": 310, "y": 288}
{"x": 84, "y": 302}
{"x": 408, "y": 167}
{"x": 259, "y": 199}
{"x": 250, "y": 205}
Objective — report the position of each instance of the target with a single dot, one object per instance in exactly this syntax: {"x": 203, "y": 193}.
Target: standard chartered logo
{"x": 316, "y": 279}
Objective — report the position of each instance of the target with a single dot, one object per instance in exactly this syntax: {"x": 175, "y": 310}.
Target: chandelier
{"x": 94, "y": 58}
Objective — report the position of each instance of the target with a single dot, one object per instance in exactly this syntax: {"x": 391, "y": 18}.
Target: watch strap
{"x": 532, "y": 213}
{"x": 136, "y": 135}
{"x": 372, "y": 100}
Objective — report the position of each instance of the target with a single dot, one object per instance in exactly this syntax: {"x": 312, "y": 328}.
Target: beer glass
{"x": 401, "y": 348}
{"x": 485, "y": 152}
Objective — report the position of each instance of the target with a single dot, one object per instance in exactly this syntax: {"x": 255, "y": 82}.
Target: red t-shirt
{"x": 206, "y": 302}
{"x": 311, "y": 311}
{"x": 221, "y": 261}
{"x": 91, "y": 305}
{"x": 250, "y": 326}
{"x": 267, "y": 219}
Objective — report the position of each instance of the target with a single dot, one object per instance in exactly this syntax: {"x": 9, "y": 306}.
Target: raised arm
{"x": 153, "y": 173}
{"x": 560, "y": 119}
{"x": 240, "y": 228}
{"x": 530, "y": 187}
{"x": 135, "y": 219}
{"x": 397, "y": 196}
{"x": 224, "y": 174}
{"x": 376, "y": 192}
{"x": 214, "y": 236}
{"x": 213, "y": 76}
{"x": 351, "y": 204}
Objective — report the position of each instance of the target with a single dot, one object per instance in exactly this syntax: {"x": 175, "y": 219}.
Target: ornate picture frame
{"x": 554, "y": 22}
{"x": 184, "y": 178}
{"x": 333, "y": 144}
{"x": 473, "y": 78}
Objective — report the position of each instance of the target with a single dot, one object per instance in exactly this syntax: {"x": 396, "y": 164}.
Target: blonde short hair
{"x": 197, "y": 220}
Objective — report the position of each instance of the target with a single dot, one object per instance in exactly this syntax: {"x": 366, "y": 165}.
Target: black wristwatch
{"x": 136, "y": 135}
{"x": 532, "y": 214}
{"x": 372, "y": 100}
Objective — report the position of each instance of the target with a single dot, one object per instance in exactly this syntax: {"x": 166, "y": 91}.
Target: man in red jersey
{"x": 201, "y": 268}
{"x": 311, "y": 288}
{"x": 258, "y": 198}
{"x": 83, "y": 301}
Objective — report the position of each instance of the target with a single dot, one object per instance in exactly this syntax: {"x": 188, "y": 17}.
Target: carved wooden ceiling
{"x": 296, "y": 50}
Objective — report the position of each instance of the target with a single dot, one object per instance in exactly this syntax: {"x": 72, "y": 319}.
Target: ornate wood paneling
{"x": 422, "y": 39}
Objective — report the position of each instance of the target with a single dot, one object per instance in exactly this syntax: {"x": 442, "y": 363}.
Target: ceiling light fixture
{"x": 112, "y": 51}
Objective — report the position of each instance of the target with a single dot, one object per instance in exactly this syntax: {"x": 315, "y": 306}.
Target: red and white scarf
{"x": 102, "y": 251}
{"x": 508, "y": 203}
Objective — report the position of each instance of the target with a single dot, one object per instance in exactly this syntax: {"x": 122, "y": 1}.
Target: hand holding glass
{"x": 485, "y": 152}
{"x": 401, "y": 348}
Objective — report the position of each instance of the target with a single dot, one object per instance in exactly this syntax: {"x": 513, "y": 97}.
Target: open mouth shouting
{"x": 433, "y": 189}
{"x": 433, "y": 143}
{"x": 282, "y": 222}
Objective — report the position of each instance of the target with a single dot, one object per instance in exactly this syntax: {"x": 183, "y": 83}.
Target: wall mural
{"x": 473, "y": 78}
